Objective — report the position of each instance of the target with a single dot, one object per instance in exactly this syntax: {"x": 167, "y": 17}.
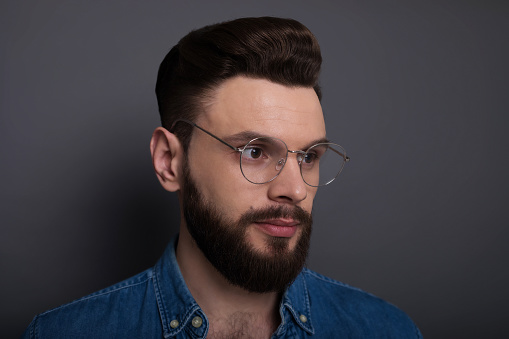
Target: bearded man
{"x": 243, "y": 143}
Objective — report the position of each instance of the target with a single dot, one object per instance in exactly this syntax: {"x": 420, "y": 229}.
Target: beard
{"x": 224, "y": 242}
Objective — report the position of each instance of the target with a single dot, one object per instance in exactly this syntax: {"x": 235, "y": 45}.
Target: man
{"x": 243, "y": 143}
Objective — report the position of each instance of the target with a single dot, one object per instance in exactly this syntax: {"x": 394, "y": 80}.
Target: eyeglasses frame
{"x": 241, "y": 150}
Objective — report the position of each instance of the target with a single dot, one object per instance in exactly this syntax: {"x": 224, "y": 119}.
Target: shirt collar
{"x": 177, "y": 307}
{"x": 296, "y": 301}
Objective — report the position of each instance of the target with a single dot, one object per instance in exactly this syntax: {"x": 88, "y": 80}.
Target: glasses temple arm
{"x": 212, "y": 135}
{"x": 344, "y": 156}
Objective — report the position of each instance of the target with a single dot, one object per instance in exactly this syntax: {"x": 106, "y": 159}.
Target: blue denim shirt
{"x": 157, "y": 303}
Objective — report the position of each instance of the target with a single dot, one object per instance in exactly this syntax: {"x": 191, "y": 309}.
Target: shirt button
{"x": 174, "y": 323}
{"x": 303, "y": 318}
{"x": 196, "y": 322}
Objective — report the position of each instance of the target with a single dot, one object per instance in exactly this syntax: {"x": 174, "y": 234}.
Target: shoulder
{"x": 115, "y": 309}
{"x": 333, "y": 302}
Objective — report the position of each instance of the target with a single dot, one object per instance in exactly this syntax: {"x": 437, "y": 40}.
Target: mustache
{"x": 274, "y": 212}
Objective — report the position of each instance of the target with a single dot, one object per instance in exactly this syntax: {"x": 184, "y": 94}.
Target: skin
{"x": 292, "y": 114}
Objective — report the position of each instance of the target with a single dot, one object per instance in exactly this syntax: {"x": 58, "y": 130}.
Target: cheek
{"x": 220, "y": 182}
{"x": 214, "y": 164}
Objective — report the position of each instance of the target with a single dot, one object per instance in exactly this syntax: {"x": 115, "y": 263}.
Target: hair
{"x": 283, "y": 51}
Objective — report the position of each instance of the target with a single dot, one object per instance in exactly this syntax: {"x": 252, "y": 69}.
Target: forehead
{"x": 242, "y": 104}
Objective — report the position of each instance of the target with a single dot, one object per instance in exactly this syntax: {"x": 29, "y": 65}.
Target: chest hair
{"x": 241, "y": 325}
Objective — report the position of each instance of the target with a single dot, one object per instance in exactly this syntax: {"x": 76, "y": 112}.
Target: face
{"x": 243, "y": 228}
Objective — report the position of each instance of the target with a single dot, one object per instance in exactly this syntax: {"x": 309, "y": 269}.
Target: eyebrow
{"x": 243, "y": 137}
{"x": 316, "y": 141}
{"x": 246, "y": 136}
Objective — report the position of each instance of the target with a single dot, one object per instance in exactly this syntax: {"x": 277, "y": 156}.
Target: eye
{"x": 313, "y": 156}
{"x": 252, "y": 152}
{"x": 263, "y": 151}
{"x": 309, "y": 158}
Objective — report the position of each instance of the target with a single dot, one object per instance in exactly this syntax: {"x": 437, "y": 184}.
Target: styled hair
{"x": 283, "y": 51}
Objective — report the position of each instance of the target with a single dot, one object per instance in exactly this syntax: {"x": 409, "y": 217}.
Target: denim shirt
{"x": 157, "y": 303}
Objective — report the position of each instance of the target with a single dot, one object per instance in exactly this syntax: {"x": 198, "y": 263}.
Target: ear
{"x": 167, "y": 157}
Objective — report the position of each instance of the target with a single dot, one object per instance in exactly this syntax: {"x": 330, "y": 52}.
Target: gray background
{"x": 415, "y": 91}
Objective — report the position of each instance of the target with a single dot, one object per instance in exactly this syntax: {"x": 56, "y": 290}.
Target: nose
{"x": 288, "y": 186}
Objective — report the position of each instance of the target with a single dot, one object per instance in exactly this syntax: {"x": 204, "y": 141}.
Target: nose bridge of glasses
{"x": 280, "y": 163}
{"x": 299, "y": 155}
{"x": 282, "y": 159}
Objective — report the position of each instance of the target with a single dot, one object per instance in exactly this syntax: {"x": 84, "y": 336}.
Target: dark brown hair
{"x": 280, "y": 50}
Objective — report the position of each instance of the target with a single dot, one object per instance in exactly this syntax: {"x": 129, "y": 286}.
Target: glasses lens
{"x": 322, "y": 163}
{"x": 262, "y": 159}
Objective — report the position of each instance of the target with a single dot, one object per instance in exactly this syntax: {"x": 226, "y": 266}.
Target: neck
{"x": 218, "y": 299}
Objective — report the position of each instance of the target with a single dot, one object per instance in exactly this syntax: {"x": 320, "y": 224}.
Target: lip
{"x": 281, "y": 228}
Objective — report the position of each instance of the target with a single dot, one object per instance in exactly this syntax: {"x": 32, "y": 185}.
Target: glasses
{"x": 263, "y": 158}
